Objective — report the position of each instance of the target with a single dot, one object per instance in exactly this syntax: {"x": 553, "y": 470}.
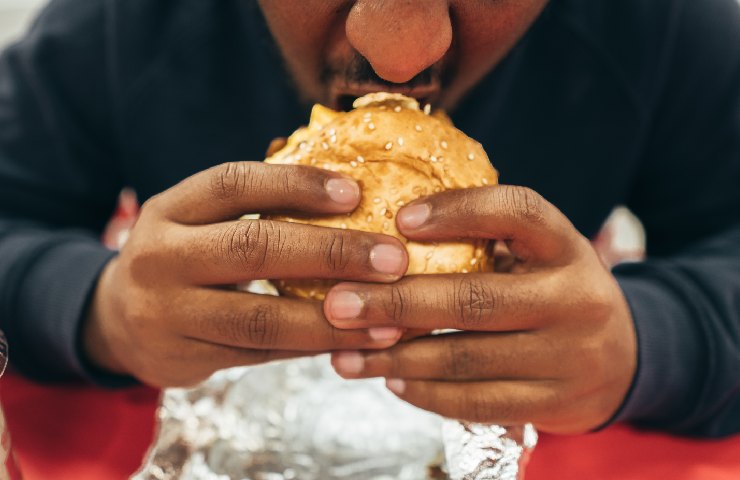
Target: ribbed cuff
{"x": 55, "y": 295}
{"x": 670, "y": 348}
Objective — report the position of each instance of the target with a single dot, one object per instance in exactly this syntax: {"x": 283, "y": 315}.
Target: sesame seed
{"x": 437, "y": 189}
{"x": 353, "y": 163}
{"x": 389, "y": 145}
{"x": 383, "y": 211}
{"x": 417, "y": 128}
{"x": 369, "y": 218}
{"x": 385, "y": 225}
{"x": 464, "y": 270}
{"x": 400, "y": 203}
{"x": 366, "y": 119}
{"x": 343, "y": 226}
{"x": 366, "y": 115}
{"x": 333, "y": 139}
{"x": 376, "y": 200}
{"x": 397, "y": 108}
{"x": 473, "y": 261}
{"x": 360, "y": 159}
{"x": 312, "y": 293}
{"x": 325, "y": 145}
{"x": 471, "y": 156}
{"x": 400, "y": 141}
{"x": 302, "y": 145}
{"x": 433, "y": 159}
{"x": 332, "y": 131}
{"x": 313, "y": 161}
{"x": 443, "y": 144}
{"x": 311, "y": 143}
{"x": 326, "y": 166}
{"x": 485, "y": 181}
{"x": 429, "y": 255}
{"x": 371, "y": 126}
{"x": 427, "y": 109}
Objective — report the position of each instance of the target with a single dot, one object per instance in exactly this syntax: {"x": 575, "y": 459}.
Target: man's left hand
{"x": 551, "y": 343}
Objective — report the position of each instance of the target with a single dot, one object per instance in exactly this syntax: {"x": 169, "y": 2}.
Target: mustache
{"x": 358, "y": 70}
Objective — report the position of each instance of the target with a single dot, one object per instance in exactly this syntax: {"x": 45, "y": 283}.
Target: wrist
{"x": 97, "y": 339}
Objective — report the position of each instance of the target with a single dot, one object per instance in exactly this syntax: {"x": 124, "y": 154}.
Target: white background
{"x": 14, "y": 17}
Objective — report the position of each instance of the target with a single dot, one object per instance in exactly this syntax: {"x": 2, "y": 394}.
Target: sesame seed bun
{"x": 397, "y": 152}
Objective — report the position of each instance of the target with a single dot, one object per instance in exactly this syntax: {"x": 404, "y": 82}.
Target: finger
{"x": 534, "y": 229}
{"x": 230, "y": 190}
{"x": 264, "y": 322}
{"x": 502, "y": 402}
{"x": 457, "y": 357}
{"x": 247, "y": 249}
{"x": 475, "y": 302}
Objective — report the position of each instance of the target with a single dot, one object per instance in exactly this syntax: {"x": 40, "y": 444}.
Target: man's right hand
{"x": 163, "y": 310}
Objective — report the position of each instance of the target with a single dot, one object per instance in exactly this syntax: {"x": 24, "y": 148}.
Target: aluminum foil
{"x": 486, "y": 452}
{"x": 299, "y": 420}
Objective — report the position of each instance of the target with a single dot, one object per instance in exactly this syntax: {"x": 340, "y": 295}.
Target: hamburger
{"x": 397, "y": 152}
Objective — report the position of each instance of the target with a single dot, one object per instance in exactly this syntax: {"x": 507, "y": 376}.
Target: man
{"x": 585, "y": 103}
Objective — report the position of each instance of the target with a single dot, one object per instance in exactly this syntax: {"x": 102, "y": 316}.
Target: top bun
{"x": 397, "y": 153}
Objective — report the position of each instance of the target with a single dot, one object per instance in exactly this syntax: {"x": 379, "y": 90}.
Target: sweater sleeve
{"x": 58, "y": 185}
{"x": 685, "y": 298}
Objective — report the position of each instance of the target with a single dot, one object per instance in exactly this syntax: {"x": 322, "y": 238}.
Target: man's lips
{"x": 342, "y": 96}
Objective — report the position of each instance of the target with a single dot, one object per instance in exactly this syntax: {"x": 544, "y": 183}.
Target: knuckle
{"x": 395, "y": 365}
{"x": 480, "y": 408}
{"x": 526, "y": 204}
{"x": 286, "y": 179}
{"x": 396, "y": 306}
{"x": 459, "y": 362}
{"x": 476, "y": 302}
{"x": 262, "y": 326}
{"x": 232, "y": 180}
{"x": 249, "y": 243}
{"x": 142, "y": 263}
{"x": 151, "y": 205}
{"x": 337, "y": 252}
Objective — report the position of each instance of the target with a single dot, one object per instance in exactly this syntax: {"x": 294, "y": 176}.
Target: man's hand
{"x": 163, "y": 311}
{"x": 550, "y": 343}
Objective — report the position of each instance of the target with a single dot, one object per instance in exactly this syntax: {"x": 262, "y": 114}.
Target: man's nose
{"x": 400, "y": 38}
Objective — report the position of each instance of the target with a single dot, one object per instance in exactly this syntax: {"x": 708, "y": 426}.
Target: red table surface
{"x": 80, "y": 433}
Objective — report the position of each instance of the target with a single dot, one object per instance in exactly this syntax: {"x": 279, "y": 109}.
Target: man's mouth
{"x": 343, "y": 96}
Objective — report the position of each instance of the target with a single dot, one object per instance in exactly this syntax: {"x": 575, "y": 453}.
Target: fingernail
{"x": 345, "y": 305}
{"x": 413, "y": 216}
{"x": 382, "y": 334}
{"x": 396, "y": 385}
{"x": 343, "y": 190}
{"x": 350, "y": 363}
{"x": 387, "y": 258}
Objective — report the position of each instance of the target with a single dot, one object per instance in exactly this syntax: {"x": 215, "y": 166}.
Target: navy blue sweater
{"x": 602, "y": 103}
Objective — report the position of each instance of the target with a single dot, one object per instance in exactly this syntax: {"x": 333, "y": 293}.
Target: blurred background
{"x": 15, "y": 16}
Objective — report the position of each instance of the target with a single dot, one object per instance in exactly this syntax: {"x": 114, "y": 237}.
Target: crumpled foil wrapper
{"x": 483, "y": 452}
{"x": 299, "y": 420}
